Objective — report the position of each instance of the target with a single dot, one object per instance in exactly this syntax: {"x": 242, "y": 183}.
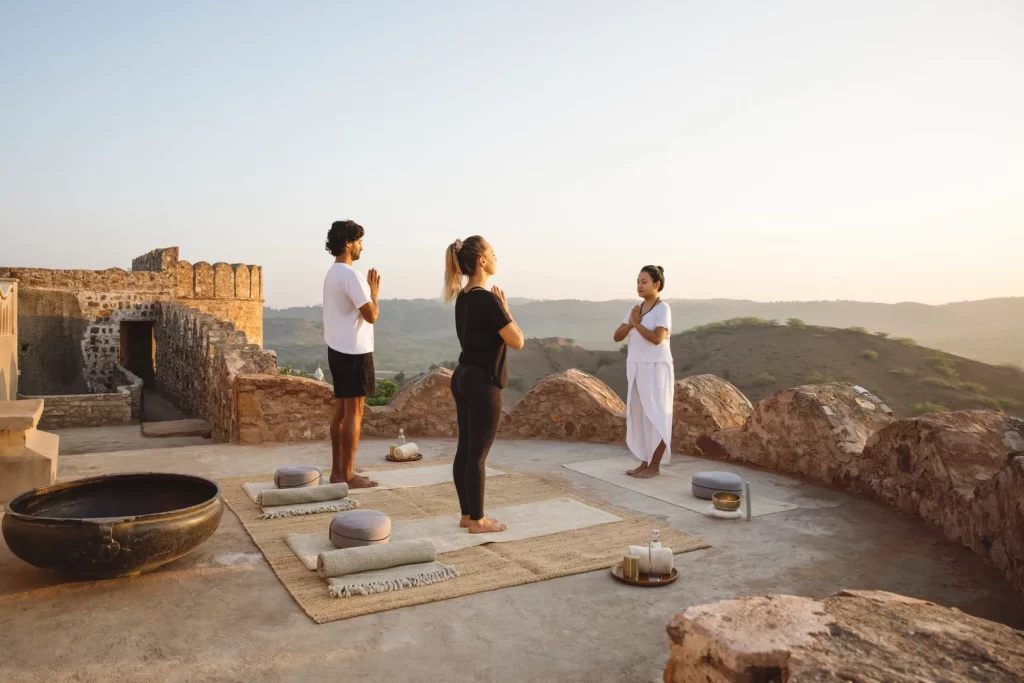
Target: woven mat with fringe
{"x": 482, "y": 568}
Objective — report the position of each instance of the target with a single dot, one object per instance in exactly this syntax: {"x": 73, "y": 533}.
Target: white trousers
{"x": 649, "y": 408}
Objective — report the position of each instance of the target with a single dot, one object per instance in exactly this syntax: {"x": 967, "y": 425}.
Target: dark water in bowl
{"x": 119, "y": 496}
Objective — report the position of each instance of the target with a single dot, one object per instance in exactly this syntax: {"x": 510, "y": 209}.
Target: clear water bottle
{"x": 652, "y": 575}
{"x": 401, "y": 438}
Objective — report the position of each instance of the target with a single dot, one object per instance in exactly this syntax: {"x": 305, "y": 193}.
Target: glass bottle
{"x": 655, "y": 544}
{"x": 401, "y": 438}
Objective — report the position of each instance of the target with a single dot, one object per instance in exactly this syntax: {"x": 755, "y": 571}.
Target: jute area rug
{"x": 481, "y": 568}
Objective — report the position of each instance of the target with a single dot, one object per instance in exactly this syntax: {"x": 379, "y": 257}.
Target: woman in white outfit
{"x": 650, "y": 374}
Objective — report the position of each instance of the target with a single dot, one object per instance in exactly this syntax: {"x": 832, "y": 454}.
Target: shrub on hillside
{"x": 906, "y": 341}
{"x": 925, "y": 408}
{"x": 973, "y": 387}
{"x": 883, "y": 335}
{"x": 903, "y": 372}
{"x": 724, "y": 325}
{"x": 385, "y": 392}
{"x": 796, "y": 322}
{"x": 764, "y": 379}
{"x": 820, "y": 378}
{"x": 603, "y": 360}
{"x": 868, "y": 354}
{"x": 858, "y": 329}
{"x": 1008, "y": 402}
{"x": 988, "y": 402}
{"x": 941, "y": 382}
{"x": 289, "y": 370}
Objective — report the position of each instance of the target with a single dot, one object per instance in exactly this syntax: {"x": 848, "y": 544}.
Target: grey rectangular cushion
{"x": 706, "y": 484}
{"x": 354, "y": 528}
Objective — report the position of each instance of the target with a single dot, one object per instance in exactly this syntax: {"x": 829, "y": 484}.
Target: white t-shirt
{"x": 345, "y": 292}
{"x": 643, "y": 351}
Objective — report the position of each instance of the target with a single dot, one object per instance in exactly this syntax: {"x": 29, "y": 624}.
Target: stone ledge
{"x": 20, "y": 415}
{"x": 855, "y": 635}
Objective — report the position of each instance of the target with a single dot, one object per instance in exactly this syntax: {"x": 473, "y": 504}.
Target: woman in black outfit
{"x": 485, "y": 329}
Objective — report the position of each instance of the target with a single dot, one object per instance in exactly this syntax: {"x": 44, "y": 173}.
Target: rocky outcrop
{"x": 854, "y": 636}
{"x": 705, "y": 405}
{"x": 815, "y": 431}
{"x": 569, "y": 406}
{"x": 961, "y": 472}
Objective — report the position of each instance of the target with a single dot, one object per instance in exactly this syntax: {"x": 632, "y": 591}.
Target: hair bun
{"x": 660, "y": 269}
{"x": 457, "y": 246}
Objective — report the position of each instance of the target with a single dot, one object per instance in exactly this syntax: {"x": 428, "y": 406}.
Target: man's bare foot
{"x": 649, "y": 472}
{"x": 637, "y": 470}
{"x": 486, "y": 526}
{"x": 464, "y": 522}
{"x": 358, "y": 481}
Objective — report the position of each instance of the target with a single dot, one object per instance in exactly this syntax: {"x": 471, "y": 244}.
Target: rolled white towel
{"x": 406, "y": 452}
{"x": 660, "y": 557}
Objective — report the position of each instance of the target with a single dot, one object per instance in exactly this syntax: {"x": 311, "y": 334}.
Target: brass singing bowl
{"x": 725, "y": 501}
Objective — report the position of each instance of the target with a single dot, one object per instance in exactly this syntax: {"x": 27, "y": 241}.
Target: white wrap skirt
{"x": 649, "y": 402}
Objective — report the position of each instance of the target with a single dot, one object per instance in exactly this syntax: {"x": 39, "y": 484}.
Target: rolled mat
{"x": 312, "y": 494}
{"x": 373, "y": 557}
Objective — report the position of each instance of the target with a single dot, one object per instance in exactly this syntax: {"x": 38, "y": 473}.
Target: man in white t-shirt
{"x": 350, "y": 310}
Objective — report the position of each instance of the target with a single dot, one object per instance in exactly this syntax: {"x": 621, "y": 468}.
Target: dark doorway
{"x": 138, "y": 351}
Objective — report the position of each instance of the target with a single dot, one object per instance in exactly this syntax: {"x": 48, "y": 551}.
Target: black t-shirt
{"x": 479, "y": 316}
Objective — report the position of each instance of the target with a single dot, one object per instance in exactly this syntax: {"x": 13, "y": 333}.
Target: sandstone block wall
{"x": 198, "y": 359}
{"x": 853, "y": 636}
{"x": 85, "y": 410}
{"x": 287, "y": 408}
{"x": 70, "y": 319}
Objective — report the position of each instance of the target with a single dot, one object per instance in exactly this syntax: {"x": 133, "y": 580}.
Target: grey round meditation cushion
{"x": 354, "y": 528}
{"x": 706, "y": 484}
{"x": 297, "y": 476}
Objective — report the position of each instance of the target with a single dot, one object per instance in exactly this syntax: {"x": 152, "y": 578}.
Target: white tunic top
{"x": 345, "y": 292}
{"x": 643, "y": 351}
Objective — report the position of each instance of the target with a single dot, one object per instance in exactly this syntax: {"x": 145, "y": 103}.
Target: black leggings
{"x": 478, "y": 403}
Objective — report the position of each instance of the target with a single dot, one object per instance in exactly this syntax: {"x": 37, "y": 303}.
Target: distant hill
{"x": 761, "y": 359}
{"x": 990, "y": 330}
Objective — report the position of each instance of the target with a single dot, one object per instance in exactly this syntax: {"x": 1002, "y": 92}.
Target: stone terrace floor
{"x": 221, "y": 614}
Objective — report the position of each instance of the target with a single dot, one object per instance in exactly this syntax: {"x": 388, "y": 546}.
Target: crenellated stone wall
{"x": 70, "y": 320}
{"x": 198, "y": 358}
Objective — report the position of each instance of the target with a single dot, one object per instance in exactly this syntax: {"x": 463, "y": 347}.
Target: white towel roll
{"x": 660, "y": 557}
{"x": 406, "y": 452}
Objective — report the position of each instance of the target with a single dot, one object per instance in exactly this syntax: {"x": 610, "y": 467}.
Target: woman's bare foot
{"x": 464, "y": 522}
{"x": 648, "y": 472}
{"x": 358, "y": 481}
{"x": 637, "y": 470}
{"x": 486, "y": 526}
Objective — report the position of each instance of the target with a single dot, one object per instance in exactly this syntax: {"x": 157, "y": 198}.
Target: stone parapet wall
{"x": 85, "y": 410}
{"x": 288, "y": 408}
{"x": 157, "y": 260}
{"x": 198, "y": 357}
{"x": 109, "y": 280}
{"x": 569, "y": 406}
{"x": 8, "y": 339}
{"x": 218, "y": 281}
{"x": 245, "y": 314}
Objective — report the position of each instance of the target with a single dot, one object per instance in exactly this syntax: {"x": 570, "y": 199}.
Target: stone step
{"x": 156, "y": 430}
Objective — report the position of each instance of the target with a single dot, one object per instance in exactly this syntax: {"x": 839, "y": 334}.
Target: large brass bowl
{"x": 113, "y": 525}
{"x": 725, "y": 501}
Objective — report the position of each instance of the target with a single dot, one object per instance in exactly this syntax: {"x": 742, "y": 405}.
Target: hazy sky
{"x": 763, "y": 150}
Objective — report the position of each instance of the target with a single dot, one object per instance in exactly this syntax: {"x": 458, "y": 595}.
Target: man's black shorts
{"x": 353, "y": 374}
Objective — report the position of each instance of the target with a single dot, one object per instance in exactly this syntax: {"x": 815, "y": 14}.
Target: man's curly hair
{"x": 340, "y": 234}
